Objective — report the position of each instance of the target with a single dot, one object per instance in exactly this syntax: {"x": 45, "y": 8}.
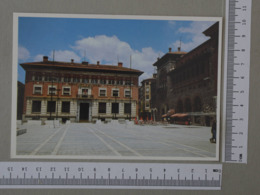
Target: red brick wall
{"x": 95, "y": 92}
{"x": 74, "y": 91}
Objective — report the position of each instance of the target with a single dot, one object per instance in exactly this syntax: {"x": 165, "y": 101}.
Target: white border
{"x": 136, "y": 17}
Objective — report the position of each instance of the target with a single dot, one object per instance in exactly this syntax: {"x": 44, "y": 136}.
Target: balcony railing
{"x": 84, "y": 96}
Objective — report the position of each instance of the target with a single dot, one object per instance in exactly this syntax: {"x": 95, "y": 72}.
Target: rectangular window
{"x": 94, "y": 81}
{"x": 111, "y": 82}
{"x": 67, "y": 79}
{"x": 38, "y": 78}
{"x": 52, "y": 90}
{"x": 36, "y": 106}
{"x": 85, "y": 80}
{"x": 147, "y": 97}
{"x": 127, "y": 93}
{"x": 50, "y": 78}
{"x": 127, "y": 82}
{"x": 102, "y": 92}
{"x": 127, "y": 108}
{"x": 54, "y": 79}
{"x": 102, "y": 107}
{"x": 147, "y": 104}
{"x": 115, "y": 93}
{"x": 120, "y": 82}
{"x": 103, "y": 81}
{"x": 76, "y": 80}
{"x": 65, "y": 107}
{"x": 115, "y": 108}
{"x": 66, "y": 91}
{"x": 46, "y": 78}
{"x": 51, "y": 107}
{"x": 37, "y": 89}
{"x": 84, "y": 92}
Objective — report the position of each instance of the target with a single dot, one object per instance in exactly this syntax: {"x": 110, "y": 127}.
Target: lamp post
{"x": 51, "y": 91}
{"x": 153, "y": 111}
{"x": 58, "y": 94}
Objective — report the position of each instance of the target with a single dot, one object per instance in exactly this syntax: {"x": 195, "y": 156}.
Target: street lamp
{"x": 58, "y": 93}
{"x": 51, "y": 91}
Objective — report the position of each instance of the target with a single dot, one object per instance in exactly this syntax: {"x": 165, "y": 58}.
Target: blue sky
{"x": 105, "y": 40}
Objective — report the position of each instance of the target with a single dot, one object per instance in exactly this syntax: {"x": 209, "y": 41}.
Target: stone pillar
{"x": 121, "y": 109}
{"x": 109, "y": 108}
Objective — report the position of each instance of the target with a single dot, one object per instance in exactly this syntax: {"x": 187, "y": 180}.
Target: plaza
{"x": 116, "y": 140}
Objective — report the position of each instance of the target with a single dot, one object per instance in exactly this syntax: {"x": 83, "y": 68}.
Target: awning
{"x": 170, "y": 112}
{"x": 179, "y": 115}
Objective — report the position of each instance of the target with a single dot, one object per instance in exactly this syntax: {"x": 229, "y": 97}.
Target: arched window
{"x": 188, "y": 105}
{"x": 180, "y": 106}
{"x": 197, "y": 104}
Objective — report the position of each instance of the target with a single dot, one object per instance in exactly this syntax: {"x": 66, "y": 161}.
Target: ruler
{"x": 237, "y": 66}
{"x": 110, "y": 175}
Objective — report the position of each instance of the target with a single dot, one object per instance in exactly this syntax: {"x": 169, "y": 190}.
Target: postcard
{"x": 116, "y": 87}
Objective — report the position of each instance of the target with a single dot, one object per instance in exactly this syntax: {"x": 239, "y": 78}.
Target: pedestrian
{"x": 213, "y": 131}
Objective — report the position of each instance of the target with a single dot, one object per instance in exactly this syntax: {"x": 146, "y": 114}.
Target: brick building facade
{"x": 147, "y": 98}
{"x": 79, "y": 91}
{"x": 190, "y": 81}
{"x": 164, "y": 65}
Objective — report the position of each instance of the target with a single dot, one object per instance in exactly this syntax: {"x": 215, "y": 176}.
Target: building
{"x": 164, "y": 65}
{"x": 79, "y": 91}
{"x": 147, "y": 98}
{"x": 191, "y": 81}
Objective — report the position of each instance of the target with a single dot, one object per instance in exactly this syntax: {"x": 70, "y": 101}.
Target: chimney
{"x": 97, "y": 63}
{"x": 170, "y": 49}
{"x": 179, "y": 48}
{"x": 72, "y": 61}
{"x": 120, "y": 64}
{"x": 45, "y": 58}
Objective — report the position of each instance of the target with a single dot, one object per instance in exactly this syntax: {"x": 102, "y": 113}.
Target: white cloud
{"x": 195, "y": 31}
{"x": 64, "y": 56}
{"x": 144, "y": 60}
{"x": 145, "y": 75}
{"x": 172, "y": 23}
{"x": 23, "y": 53}
{"x": 38, "y": 58}
{"x": 102, "y": 48}
{"x": 60, "y": 55}
{"x": 109, "y": 50}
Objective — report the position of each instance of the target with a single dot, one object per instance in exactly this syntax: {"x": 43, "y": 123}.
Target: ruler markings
{"x": 94, "y": 175}
{"x": 237, "y": 67}
{"x": 187, "y": 179}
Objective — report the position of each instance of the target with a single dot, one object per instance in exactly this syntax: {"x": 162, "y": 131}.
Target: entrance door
{"x": 84, "y": 112}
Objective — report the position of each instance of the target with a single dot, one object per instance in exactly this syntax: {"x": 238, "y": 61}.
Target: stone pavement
{"x": 115, "y": 140}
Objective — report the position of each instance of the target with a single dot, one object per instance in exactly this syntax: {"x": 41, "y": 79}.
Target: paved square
{"x": 86, "y": 139}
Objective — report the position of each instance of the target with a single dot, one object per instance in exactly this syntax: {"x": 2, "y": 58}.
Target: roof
{"x": 179, "y": 52}
{"x": 202, "y": 49}
{"x": 168, "y": 57}
{"x": 212, "y": 30}
{"x": 149, "y": 79}
{"x": 72, "y": 66}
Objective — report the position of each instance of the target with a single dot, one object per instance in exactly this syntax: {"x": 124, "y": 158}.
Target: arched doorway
{"x": 188, "y": 107}
{"x": 197, "y": 105}
{"x": 179, "y": 106}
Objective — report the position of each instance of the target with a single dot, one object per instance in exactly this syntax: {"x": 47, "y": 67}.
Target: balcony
{"x": 84, "y": 96}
